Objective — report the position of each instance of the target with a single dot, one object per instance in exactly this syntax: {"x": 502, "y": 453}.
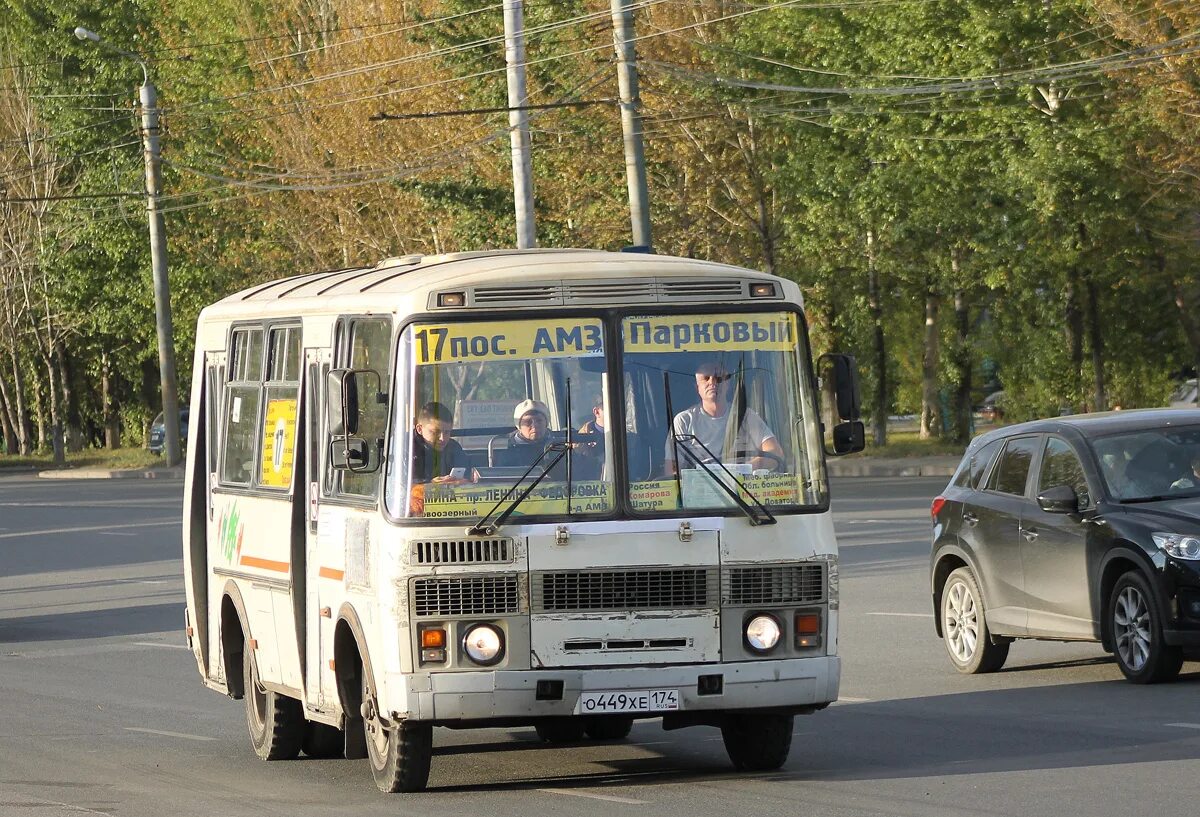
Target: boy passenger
{"x": 435, "y": 454}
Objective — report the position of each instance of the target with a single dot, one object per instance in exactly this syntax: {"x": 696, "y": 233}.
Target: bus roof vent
{"x": 623, "y": 291}
{"x": 706, "y": 289}
{"x": 516, "y": 295}
{"x": 462, "y": 551}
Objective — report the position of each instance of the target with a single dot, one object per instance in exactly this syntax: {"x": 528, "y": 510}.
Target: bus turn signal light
{"x": 432, "y": 638}
{"x": 808, "y": 630}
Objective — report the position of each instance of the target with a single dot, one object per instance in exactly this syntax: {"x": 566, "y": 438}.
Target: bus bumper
{"x": 514, "y": 694}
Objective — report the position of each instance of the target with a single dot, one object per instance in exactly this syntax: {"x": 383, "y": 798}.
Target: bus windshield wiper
{"x": 481, "y": 525}
{"x": 757, "y": 514}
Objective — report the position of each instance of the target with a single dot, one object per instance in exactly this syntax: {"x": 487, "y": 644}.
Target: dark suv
{"x": 1082, "y": 528}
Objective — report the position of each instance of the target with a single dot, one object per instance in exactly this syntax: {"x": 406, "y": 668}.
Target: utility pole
{"x": 518, "y": 123}
{"x": 631, "y": 123}
{"x": 148, "y": 101}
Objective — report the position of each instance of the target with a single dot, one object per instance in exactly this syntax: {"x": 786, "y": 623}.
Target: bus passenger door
{"x": 324, "y": 557}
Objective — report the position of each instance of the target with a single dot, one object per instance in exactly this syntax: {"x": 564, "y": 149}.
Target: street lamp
{"x": 148, "y": 100}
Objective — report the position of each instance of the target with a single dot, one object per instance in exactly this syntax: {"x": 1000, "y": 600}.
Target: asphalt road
{"x": 102, "y": 711}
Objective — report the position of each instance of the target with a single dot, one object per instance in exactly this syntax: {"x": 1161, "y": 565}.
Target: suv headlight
{"x": 1178, "y": 545}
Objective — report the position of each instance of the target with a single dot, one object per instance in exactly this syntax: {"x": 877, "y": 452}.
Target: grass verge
{"x": 113, "y": 459}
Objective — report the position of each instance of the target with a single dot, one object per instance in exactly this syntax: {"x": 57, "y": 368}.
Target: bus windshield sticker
{"x": 504, "y": 340}
{"x": 774, "y": 332}
{"x": 446, "y": 500}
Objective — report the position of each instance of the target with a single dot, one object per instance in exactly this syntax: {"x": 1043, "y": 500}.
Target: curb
{"x": 866, "y": 468}
{"x": 122, "y": 473}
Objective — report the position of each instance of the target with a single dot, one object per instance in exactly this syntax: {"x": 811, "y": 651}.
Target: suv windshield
{"x": 1152, "y": 463}
{"x": 489, "y": 407}
{"x": 721, "y": 398}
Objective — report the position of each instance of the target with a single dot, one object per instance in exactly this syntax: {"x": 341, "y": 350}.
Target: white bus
{"x": 554, "y": 488}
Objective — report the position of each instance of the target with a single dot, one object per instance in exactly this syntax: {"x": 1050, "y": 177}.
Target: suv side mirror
{"x": 1059, "y": 499}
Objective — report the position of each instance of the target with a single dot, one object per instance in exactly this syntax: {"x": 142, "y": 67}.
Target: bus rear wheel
{"x": 758, "y": 743}
{"x": 399, "y": 754}
{"x": 276, "y": 722}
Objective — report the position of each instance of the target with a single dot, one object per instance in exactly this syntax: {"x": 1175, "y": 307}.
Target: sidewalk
{"x": 942, "y": 466}
{"x": 112, "y": 473}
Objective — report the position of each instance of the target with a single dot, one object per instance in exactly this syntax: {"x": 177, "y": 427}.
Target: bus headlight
{"x": 763, "y": 632}
{"x": 484, "y": 644}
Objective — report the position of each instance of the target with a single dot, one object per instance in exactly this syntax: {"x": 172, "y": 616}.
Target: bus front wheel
{"x": 400, "y": 754}
{"x": 758, "y": 743}
{"x": 276, "y": 722}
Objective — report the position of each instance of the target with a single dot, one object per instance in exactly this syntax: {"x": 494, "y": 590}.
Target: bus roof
{"x": 514, "y": 278}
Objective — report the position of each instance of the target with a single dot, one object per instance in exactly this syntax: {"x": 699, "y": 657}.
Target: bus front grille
{"x": 773, "y": 584}
{"x": 688, "y": 588}
{"x": 466, "y": 596}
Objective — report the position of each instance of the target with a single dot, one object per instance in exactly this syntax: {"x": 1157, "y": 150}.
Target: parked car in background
{"x": 991, "y": 410}
{"x": 1080, "y": 528}
{"x": 158, "y": 431}
{"x": 1184, "y": 395}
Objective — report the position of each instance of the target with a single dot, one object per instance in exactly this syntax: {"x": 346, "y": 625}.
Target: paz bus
{"x": 564, "y": 489}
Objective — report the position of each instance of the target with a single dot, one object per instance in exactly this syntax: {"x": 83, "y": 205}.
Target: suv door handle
{"x": 1029, "y": 533}
{"x": 970, "y": 518}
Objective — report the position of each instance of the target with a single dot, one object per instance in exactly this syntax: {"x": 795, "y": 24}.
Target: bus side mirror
{"x": 344, "y": 391}
{"x": 840, "y": 398}
{"x": 344, "y": 406}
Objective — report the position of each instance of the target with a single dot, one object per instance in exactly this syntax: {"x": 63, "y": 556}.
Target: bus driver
{"x": 435, "y": 454}
{"x": 708, "y": 423}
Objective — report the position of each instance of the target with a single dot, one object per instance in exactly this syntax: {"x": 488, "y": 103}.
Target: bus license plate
{"x": 632, "y": 700}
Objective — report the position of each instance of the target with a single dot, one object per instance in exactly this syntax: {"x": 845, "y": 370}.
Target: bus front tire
{"x": 758, "y": 743}
{"x": 276, "y": 722}
{"x": 399, "y": 754}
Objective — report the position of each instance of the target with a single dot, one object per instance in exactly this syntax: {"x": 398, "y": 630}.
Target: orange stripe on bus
{"x": 265, "y": 564}
{"x": 331, "y": 573}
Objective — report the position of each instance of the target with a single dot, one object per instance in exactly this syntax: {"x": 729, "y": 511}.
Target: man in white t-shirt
{"x": 711, "y": 423}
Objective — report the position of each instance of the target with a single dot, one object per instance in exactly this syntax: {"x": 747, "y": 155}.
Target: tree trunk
{"x": 20, "y": 406}
{"x": 962, "y": 362}
{"x": 1097, "y": 342}
{"x": 1074, "y": 330}
{"x": 875, "y": 306}
{"x": 7, "y": 420}
{"x": 56, "y": 424}
{"x": 930, "y": 425}
{"x": 108, "y": 408}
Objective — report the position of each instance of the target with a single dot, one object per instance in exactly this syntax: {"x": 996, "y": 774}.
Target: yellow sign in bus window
{"x": 770, "y": 332}
{"x": 278, "y": 444}
{"x": 504, "y": 340}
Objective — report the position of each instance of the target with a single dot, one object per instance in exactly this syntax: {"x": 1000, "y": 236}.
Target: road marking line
{"x": 1185, "y": 725}
{"x": 608, "y": 797}
{"x": 904, "y": 615}
{"x": 157, "y": 644}
{"x": 90, "y": 528}
{"x": 846, "y": 699}
{"x": 167, "y": 734}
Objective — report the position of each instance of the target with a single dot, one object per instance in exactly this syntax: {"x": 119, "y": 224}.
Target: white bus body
{"x": 340, "y": 591}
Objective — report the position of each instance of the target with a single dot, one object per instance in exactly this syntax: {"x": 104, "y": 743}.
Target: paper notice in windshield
{"x": 772, "y": 332}
{"x": 504, "y": 340}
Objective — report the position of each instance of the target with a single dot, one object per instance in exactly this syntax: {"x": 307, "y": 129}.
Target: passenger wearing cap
{"x": 710, "y": 423}
{"x": 528, "y": 441}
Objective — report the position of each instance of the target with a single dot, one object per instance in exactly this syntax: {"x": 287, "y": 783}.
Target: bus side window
{"x": 365, "y": 343}
{"x": 240, "y": 412}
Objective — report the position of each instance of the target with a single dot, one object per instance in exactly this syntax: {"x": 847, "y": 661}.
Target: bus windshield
{"x": 718, "y": 405}
{"x": 490, "y": 408}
